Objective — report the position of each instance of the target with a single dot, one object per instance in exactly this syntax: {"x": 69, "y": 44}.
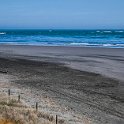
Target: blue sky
{"x": 62, "y": 14}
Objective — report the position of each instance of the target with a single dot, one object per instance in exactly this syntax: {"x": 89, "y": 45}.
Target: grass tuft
{"x": 14, "y": 112}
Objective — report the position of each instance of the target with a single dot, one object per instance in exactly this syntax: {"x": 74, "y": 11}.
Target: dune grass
{"x": 14, "y": 112}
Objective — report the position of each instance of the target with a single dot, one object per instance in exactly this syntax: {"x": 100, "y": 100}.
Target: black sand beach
{"x": 89, "y": 81}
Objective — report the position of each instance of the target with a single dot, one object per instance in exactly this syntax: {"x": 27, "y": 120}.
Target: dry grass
{"x": 4, "y": 121}
{"x": 14, "y": 112}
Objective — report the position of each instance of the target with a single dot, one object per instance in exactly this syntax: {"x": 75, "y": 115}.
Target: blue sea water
{"x": 82, "y": 38}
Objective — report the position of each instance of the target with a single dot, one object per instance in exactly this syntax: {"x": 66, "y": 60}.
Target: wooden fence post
{"x": 36, "y": 106}
{"x": 9, "y": 92}
{"x": 8, "y": 95}
{"x": 56, "y": 119}
{"x": 19, "y": 98}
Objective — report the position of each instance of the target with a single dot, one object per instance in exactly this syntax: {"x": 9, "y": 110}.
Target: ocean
{"x": 81, "y": 38}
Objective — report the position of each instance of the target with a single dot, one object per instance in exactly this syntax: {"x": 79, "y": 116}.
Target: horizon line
{"x": 61, "y": 29}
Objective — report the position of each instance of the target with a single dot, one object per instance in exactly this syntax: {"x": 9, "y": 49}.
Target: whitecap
{"x": 98, "y": 31}
{"x": 2, "y": 33}
{"x": 50, "y": 30}
{"x": 107, "y": 31}
{"x": 119, "y": 31}
{"x": 106, "y": 45}
{"x": 79, "y": 44}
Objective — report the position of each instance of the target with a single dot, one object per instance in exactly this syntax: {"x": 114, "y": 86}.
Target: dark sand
{"x": 90, "y": 81}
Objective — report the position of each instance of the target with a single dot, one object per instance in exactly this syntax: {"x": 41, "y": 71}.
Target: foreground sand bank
{"x": 95, "y": 89}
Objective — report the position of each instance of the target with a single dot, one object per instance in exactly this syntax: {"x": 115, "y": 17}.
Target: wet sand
{"x": 88, "y": 81}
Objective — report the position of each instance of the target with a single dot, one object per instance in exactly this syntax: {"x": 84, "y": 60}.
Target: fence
{"x": 36, "y": 104}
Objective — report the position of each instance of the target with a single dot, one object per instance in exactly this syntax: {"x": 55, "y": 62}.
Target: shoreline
{"x": 69, "y": 46}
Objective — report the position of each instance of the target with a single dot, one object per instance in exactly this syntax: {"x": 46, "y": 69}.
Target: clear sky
{"x": 62, "y": 14}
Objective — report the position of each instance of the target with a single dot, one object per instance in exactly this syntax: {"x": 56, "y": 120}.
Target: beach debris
{"x": 4, "y": 72}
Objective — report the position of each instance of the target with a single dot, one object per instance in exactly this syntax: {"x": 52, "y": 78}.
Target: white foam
{"x": 107, "y": 31}
{"x": 98, "y": 31}
{"x": 79, "y": 43}
{"x": 108, "y": 45}
{"x": 2, "y": 33}
{"x": 113, "y": 45}
{"x": 119, "y": 31}
{"x": 50, "y": 30}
